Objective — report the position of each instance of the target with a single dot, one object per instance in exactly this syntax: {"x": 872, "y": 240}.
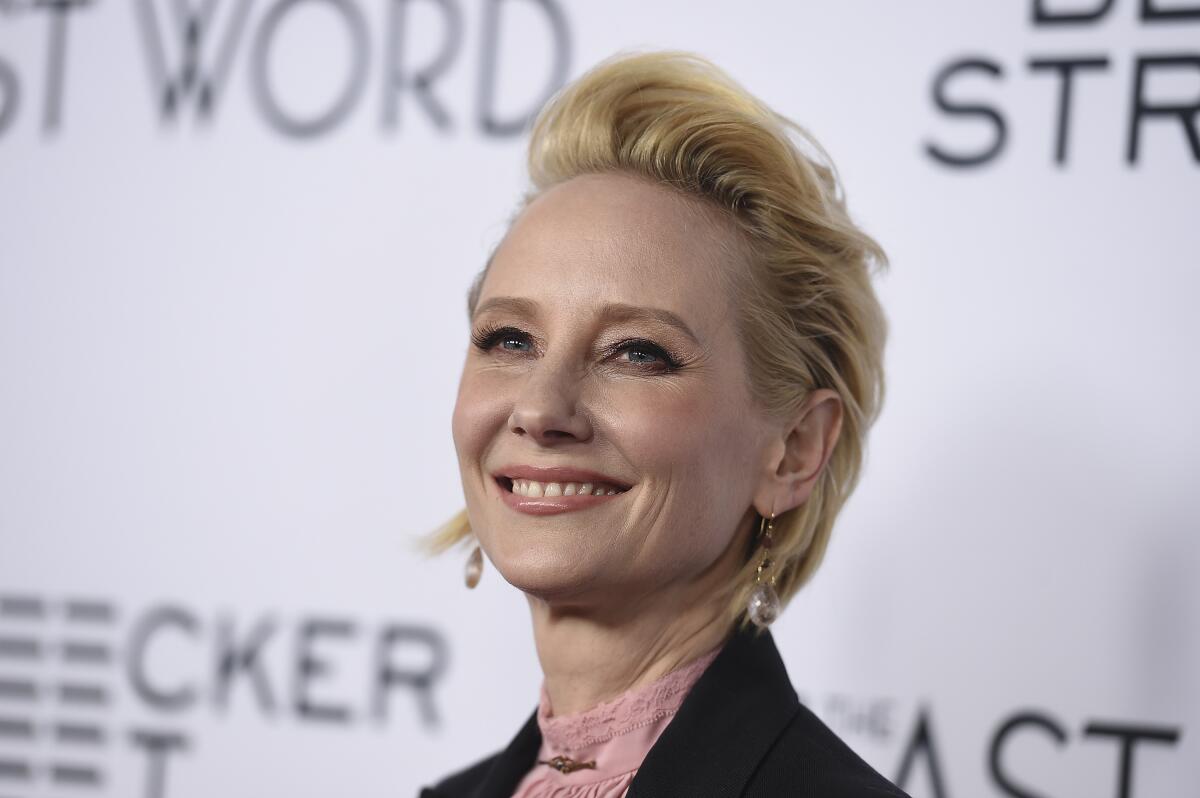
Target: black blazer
{"x": 740, "y": 732}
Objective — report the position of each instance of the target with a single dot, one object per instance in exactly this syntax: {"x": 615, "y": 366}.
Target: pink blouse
{"x": 616, "y": 735}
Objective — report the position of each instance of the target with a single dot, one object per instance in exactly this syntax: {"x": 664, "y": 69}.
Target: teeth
{"x": 534, "y": 489}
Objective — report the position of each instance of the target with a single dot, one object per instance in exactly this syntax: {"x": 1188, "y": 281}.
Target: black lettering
{"x": 154, "y": 622}
{"x": 952, "y": 108}
{"x": 420, "y": 680}
{"x": 56, "y": 58}
{"x": 308, "y": 666}
{"x": 1128, "y": 737}
{"x": 869, "y": 717}
{"x": 1042, "y": 15}
{"x": 921, "y": 744}
{"x": 1000, "y": 739}
{"x": 1142, "y": 108}
{"x": 879, "y": 719}
{"x": 1066, "y": 68}
{"x": 836, "y": 707}
{"x": 343, "y": 104}
{"x": 10, "y": 95}
{"x": 173, "y": 85}
{"x": 486, "y": 113}
{"x": 245, "y": 657}
{"x": 157, "y": 746}
{"x": 1152, "y": 13}
{"x": 421, "y": 80}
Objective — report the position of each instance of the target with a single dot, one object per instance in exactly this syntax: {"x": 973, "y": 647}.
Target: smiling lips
{"x": 547, "y": 491}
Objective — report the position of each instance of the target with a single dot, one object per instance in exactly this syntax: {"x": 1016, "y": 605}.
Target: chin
{"x": 542, "y": 569}
{"x": 550, "y": 586}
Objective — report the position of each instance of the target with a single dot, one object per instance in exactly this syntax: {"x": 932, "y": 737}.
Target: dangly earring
{"x": 474, "y": 567}
{"x": 764, "y": 605}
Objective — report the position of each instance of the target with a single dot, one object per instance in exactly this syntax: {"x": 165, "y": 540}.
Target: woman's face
{"x": 605, "y": 354}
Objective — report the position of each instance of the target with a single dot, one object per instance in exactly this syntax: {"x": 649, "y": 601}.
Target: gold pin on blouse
{"x": 565, "y": 764}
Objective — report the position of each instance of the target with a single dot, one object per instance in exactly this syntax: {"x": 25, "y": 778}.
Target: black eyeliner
{"x": 670, "y": 362}
{"x": 487, "y": 336}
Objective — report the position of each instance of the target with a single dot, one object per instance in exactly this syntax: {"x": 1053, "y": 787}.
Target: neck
{"x": 592, "y": 653}
{"x": 587, "y": 661}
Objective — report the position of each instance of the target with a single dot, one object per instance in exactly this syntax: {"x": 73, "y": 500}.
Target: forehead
{"x": 611, "y": 238}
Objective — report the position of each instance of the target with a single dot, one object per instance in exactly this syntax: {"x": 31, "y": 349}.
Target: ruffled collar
{"x": 632, "y": 710}
{"x": 615, "y": 735}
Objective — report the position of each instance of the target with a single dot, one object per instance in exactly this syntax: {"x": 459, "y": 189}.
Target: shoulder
{"x": 808, "y": 752}
{"x": 461, "y": 782}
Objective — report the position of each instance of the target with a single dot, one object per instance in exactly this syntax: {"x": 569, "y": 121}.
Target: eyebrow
{"x": 611, "y": 312}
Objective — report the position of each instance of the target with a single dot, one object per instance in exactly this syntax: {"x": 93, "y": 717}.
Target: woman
{"x": 676, "y": 356}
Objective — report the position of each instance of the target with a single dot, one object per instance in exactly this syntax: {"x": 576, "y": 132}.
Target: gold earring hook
{"x": 765, "y": 528}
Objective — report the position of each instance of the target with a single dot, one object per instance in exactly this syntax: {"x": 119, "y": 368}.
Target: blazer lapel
{"x": 738, "y": 707}
{"x": 511, "y": 765}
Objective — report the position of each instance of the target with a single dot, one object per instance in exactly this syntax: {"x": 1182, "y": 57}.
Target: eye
{"x": 641, "y": 354}
{"x": 646, "y": 354}
{"x": 510, "y": 339}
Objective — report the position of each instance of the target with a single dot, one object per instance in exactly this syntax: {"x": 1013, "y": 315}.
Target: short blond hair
{"x": 809, "y": 317}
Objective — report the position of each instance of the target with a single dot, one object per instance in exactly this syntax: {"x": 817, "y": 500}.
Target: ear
{"x": 799, "y": 452}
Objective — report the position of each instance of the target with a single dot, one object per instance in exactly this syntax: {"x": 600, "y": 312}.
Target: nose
{"x": 547, "y": 408}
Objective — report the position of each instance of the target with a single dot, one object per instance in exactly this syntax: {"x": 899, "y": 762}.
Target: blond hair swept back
{"x": 808, "y": 314}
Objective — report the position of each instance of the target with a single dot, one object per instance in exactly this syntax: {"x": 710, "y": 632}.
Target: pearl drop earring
{"x": 474, "y": 568}
{"x": 764, "y": 605}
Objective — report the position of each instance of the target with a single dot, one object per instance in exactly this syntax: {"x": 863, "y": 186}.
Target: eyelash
{"x": 488, "y": 336}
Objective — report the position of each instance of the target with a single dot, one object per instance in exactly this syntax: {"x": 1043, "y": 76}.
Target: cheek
{"x": 477, "y": 412}
{"x": 696, "y": 451}
{"x": 680, "y": 432}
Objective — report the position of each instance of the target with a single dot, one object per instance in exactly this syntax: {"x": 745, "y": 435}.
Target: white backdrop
{"x": 230, "y": 341}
